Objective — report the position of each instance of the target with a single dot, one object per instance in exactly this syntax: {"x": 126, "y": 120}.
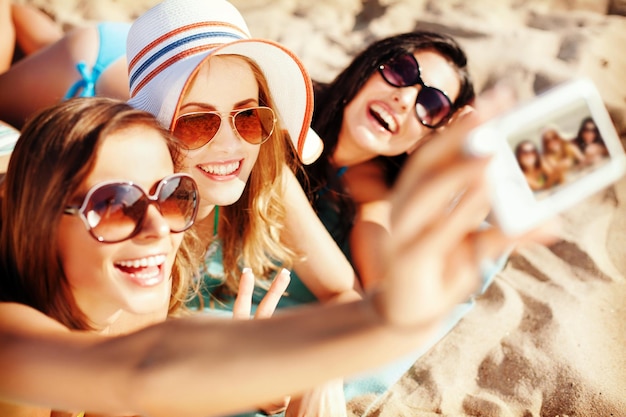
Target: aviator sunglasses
{"x": 432, "y": 106}
{"x": 115, "y": 211}
{"x": 253, "y": 124}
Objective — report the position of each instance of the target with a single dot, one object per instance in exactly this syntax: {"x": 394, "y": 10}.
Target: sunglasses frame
{"x": 152, "y": 199}
{"x": 421, "y": 83}
{"x": 231, "y": 116}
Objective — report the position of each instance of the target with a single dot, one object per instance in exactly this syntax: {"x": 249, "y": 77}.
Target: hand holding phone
{"x": 549, "y": 153}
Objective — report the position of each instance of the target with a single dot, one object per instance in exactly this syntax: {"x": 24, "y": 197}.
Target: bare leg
{"x": 34, "y": 29}
{"x": 26, "y": 89}
{"x": 7, "y": 35}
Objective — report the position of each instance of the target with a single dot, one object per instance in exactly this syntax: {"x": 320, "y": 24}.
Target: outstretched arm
{"x": 201, "y": 366}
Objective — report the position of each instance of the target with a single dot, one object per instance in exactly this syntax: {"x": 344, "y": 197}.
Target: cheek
{"x": 252, "y": 156}
{"x": 190, "y": 159}
{"x": 351, "y": 111}
{"x": 80, "y": 253}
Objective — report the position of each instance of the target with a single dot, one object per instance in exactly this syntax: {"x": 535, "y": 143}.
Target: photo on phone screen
{"x": 548, "y": 154}
{"x": 557, "y": 152}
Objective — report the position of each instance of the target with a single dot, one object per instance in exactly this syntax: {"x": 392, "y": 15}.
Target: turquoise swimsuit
{"x": 212, "y": 276}
{"x": 112, "y": 37}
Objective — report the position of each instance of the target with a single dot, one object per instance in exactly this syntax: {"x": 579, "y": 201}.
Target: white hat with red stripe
{"x": 167, "y": 44}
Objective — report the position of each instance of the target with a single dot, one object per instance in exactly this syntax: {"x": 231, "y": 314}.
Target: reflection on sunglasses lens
{"x": 402, "y": 71}
{"x": 116, "y": 212}
{"x": 432, "y": 106}
{"x": 254, "y": 125}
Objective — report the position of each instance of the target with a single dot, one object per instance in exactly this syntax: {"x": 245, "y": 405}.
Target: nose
{"x": 226, "y": 138}
{"x": 154, "y": 224}
{"x": 406, "y": 96}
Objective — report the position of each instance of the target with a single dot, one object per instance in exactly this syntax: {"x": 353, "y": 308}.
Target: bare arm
{"x": 34, "y": 30}
{"x": 372, "y": 220}
{"x": 192, "y": 367}
{"x": 371, "y": 227}
{"x": 325, "y": 270}
{"x": 7, "y": 35}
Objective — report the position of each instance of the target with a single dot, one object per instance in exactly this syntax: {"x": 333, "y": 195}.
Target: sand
{"x": 548, "y": 337}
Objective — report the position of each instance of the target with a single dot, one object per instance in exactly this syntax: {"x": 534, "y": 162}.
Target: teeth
{"x": 384, "y": 117}
{"x": 143, "y": 262}
{"x": 222, "y": 169}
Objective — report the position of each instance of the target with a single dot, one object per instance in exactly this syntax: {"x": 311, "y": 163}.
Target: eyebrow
{"x": 210, "y": 107}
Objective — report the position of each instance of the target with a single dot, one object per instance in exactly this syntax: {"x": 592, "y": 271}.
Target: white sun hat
{"x": 167, "y": 44}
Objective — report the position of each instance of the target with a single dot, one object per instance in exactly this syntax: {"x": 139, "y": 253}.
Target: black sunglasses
{"x": 432, "y": 106}
{"x": 115, "y": 211}
{"x": 254, "y": 125}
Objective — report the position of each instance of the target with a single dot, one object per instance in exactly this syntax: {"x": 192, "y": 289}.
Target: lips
{"x": 384, "y": 118}
{"x": 146, "y": 271}
{"x": 222, "y": 170}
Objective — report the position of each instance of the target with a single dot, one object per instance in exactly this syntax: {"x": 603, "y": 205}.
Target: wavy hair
{"x": 251, "y": 229}
{"x": 332, "y": 98}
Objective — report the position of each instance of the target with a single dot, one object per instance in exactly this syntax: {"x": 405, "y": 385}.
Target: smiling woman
{"x": 112, "y": 215}
{"x": 96, "y": 203}
{"x": 388, "y": 100}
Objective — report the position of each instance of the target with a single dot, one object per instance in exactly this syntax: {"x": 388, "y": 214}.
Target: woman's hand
{"x": 434, "y": 251}
{"x": 242, "y": 310}
{"x": 243, "y": 303}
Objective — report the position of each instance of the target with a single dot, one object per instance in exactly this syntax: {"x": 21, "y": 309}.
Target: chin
{"x": 225, "y": 199}
{"x": 156, "y": 307}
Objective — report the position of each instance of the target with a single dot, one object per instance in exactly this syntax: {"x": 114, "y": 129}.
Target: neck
{"x": 205, "y": 211}
{"x": 347, "y": 154}
{"x": 204, "y": 226}
{"x": 126, "y": 322}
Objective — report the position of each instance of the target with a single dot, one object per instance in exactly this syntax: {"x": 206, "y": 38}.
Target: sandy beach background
{"x": 549, "y": 336}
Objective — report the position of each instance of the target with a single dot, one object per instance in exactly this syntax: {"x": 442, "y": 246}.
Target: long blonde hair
{"x": 251, "y": 229}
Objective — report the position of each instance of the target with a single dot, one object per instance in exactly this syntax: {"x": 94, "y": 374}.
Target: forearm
{"x": 203, "y": 368}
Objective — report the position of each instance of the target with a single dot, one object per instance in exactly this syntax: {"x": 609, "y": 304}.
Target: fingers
{"x": 267, "y": 306}
{"x": 242, "y": 307}
{"x": 451, "y": 228}
{"x": 448, "y": 144}
{"x": 431, "y": 200}
{"x": 442, "y": 150}
{"x": 243, "y": 302}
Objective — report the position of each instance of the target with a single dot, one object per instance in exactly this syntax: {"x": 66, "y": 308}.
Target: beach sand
{"x": 548, "y": 338}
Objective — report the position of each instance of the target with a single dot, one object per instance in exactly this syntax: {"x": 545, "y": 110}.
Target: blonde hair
{"x": 251, "y": 229}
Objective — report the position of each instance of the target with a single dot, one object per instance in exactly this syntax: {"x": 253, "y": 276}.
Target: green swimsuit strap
{"x": 216, "y": 218}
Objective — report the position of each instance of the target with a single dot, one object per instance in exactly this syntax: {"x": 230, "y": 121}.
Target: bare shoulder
{"x": 16, "y": 318}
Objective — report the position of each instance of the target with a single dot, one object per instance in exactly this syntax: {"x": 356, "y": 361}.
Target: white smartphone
{"x": 550, "y": 153}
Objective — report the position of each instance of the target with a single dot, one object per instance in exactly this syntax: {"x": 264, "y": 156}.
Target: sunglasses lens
{"x": 195, "y": 130}
{"x": 432, "y": 106}
{"x": 115, "y": 211}
{"x": 254, "y": 125}
{"x": 178, "y": 199}
{"x": 402, "y": 71}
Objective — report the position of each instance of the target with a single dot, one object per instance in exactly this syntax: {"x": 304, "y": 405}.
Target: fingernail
{"x": 285, "y": 271}
{"x": 246, "y": 269}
